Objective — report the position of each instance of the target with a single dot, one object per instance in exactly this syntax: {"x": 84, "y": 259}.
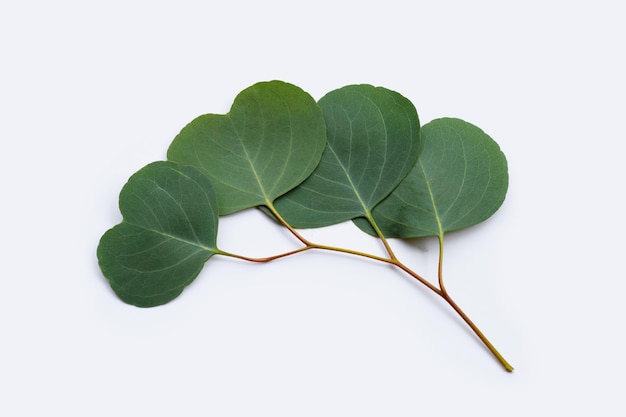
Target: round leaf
{"x": 459, "y": 180}
{"x": 269, "y": 142}
{"x": 373, "y": 136}
{"x": 168, "y": 232}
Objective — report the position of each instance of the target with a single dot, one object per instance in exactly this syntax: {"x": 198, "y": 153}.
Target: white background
{"x": 92, "y": 91}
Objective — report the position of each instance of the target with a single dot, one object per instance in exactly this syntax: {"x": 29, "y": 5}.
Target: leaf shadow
{"x": 422, "y": 244}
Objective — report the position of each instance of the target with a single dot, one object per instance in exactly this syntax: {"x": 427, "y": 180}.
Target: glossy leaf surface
{"x": 168, "y": 232}
{"x": 459, "y": 180}
{"x": 373, "y": 136}
{"x": 269, "y": 142}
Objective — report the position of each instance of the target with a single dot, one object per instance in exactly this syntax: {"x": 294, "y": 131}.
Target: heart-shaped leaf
{"x": 459, "y": 180}
{"x": 269, "y": 142}
{"x": 168, "y": 232}
{"x": 373, "y": 136}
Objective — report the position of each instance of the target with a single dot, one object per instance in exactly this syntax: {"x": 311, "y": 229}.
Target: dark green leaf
{"x": 269, "y": 142}
{"x": 459, "y": 180}
{"x": 168, "y": 232}
{"x": 373, "y": 136}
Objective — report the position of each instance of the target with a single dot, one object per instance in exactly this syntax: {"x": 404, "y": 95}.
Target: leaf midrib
{"x": 432, "y": 199}
{"x": 173, "y": 237}
{"x": 462, "y": 185}
{"x": 249, "y": 159}
{"x": 366, "y": 209}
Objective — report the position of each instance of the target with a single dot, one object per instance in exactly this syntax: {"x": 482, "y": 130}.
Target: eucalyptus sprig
{"x": 359, "y": 154}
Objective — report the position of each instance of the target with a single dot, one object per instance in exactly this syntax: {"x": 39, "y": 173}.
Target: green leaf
{"x": 373, "y": 136}
{"x": 459, "y": 180}
{"x": 269, "y": 142}
{"x": 168, "y": 232}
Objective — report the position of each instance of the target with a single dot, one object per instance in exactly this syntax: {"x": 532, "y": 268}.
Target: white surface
{"x": 89, "y": 93}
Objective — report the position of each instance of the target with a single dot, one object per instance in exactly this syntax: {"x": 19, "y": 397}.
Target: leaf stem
{"x": 282, "y": 221}
{"x": 381, "y": 236}
{"x": 507, "y": 366}
{"x": 265, "y": 259}
{"x": 440, "y": 266}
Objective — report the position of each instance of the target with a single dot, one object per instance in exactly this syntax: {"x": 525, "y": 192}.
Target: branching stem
{"x": 392, "y": 260}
